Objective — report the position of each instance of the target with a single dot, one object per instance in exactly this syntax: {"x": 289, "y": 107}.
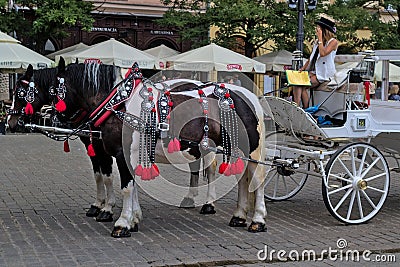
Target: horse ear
{"x": 29, "y": 72}
{"x": 61, "y": 65}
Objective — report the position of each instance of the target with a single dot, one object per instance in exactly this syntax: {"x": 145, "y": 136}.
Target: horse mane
{"x": 44, "y": 78}
{"x": 92, "y": 78}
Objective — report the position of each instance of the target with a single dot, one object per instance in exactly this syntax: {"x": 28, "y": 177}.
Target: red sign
{"x": 234, "y": 67}
{"x": 92, "y": 60}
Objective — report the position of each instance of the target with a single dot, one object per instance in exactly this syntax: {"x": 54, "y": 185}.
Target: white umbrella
{"x": 213, "y": 57}
{"x": 276, "y": 61}
{"x": 76, "y": 47}
{"x": 161, "y": 52}
{"x": 112, "y": 52}
{"x": 15, "y": 57}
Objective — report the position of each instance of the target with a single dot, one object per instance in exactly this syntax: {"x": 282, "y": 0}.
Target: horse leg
{"x": 209, "y": 207}
{"x": 260, "y": 212}
{"x": 240, "y": 213}
{"x": 96, "y": 207}
{"x": 131, "y": 213}
{"x": 106, "y": 214}
{"x": 188, "y": 200}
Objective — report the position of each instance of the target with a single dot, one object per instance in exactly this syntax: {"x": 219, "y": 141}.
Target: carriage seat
{"x": 335, "y": 104}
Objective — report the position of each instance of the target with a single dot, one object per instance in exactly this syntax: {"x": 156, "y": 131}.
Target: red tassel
{"x": 139, "y": 170}
{"x": 90, "y": 151}
{"x": 222, "y": 167}
{"x": 233, "y": 168}
{"x": 154, "y": 171}
{"x": 177, "y": 144}
{"x": 146, "y": 175}
{"x": 239, "y": 166}
{"x": 66, "y": 146}
{"x": 61, "y": 106}
{"x": 171, "y": 146}
{"x": 228, "y": 171}
{"x": 28, "y": 109}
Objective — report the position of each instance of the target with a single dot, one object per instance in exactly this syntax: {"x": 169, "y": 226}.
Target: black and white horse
{"x": 188, "y": 122}
{"x": 31, "y": 93}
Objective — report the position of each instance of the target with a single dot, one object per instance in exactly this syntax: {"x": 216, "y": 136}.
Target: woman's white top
{"x": 324, "y": 66}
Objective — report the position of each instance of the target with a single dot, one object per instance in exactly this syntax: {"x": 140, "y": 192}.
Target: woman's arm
{"x": 305, "y": 65}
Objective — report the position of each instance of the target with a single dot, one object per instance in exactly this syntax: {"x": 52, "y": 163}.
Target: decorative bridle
{"x": 28, "y": 94}
{"x": 59, "y": 92}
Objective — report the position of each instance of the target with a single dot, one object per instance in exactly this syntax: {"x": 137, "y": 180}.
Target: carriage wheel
{"x": 357, "y": 178}
{"x": 283, "y": 182}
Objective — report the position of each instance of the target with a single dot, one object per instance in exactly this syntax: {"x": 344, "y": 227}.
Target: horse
{"x": 73, "y": 114}
{"x": 30, "y": 94}
{"x": 140, "y": 146}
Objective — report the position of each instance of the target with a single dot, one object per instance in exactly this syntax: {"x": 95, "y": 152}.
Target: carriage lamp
{"x": 367, "y": 66}
{"x": 297, "y": 60}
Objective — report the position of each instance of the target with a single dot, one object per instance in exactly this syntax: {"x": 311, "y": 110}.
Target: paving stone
{"x": 42, "y": 219}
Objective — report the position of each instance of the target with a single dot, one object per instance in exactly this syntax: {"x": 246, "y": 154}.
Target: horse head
{"x": 29, "y": 95}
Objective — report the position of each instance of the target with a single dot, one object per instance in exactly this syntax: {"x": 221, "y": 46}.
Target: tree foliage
{"x": 52, "y": 18}
{"x": 247, "y": 25}
{"x": 244, "y": 25}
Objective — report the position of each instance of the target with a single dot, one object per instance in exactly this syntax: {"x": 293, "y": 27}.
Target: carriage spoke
{"x": 340, "y": 189}
{"x": 341, "y": 178}
{"x": 276, "y": 186}
{"x": 285, "y": 185}
{"x": 369, "y": 199}
{"x": 342, "y": 199}
{"x": 370, "y": 167}
{"x": 374, "y": 177}
{"x": 363, "y": 160}
{"x": 291, "y": 178}
{"x": 353, "y": 161}
{"x": 376, "y": 189}
{"x": 345, "y": 168}
{"x": 351, "y": 205}
{"x": 269, "y": 179}
{"x": 360, "y": 205}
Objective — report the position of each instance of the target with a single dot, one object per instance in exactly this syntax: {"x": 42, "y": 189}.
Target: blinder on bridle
{"x": 27, "y": 94}
{"x": 59, "y": 92}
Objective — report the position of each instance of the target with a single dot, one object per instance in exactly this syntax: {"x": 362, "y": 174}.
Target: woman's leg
{"x": 297, "y": 92}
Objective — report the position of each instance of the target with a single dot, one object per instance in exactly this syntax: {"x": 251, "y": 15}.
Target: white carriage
{"x": 345, "y": 141}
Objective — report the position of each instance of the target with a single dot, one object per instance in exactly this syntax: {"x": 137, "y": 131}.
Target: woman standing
{"x": 321, "y": 64}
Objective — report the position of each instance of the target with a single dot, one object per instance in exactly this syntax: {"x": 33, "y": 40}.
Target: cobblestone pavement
{"x": 44, "y": 194}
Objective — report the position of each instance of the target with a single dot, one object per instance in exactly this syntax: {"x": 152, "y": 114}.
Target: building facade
{"x": 130, "y": 21}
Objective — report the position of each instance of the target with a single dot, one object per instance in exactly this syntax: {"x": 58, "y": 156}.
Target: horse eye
{"x": 31, "y": 84}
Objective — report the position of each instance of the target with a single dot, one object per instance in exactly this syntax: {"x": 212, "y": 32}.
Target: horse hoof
{"x": 207, "y": 209}
{"x": 93, "y": 211}
{"x": 104, "y": 216}
{"x": 256, "y": 227}
{"x": 120, "y": 231}
{"x": 187, "y": 203}
{"x": 237, "y": 222}
{"x": 135, "y": 228}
